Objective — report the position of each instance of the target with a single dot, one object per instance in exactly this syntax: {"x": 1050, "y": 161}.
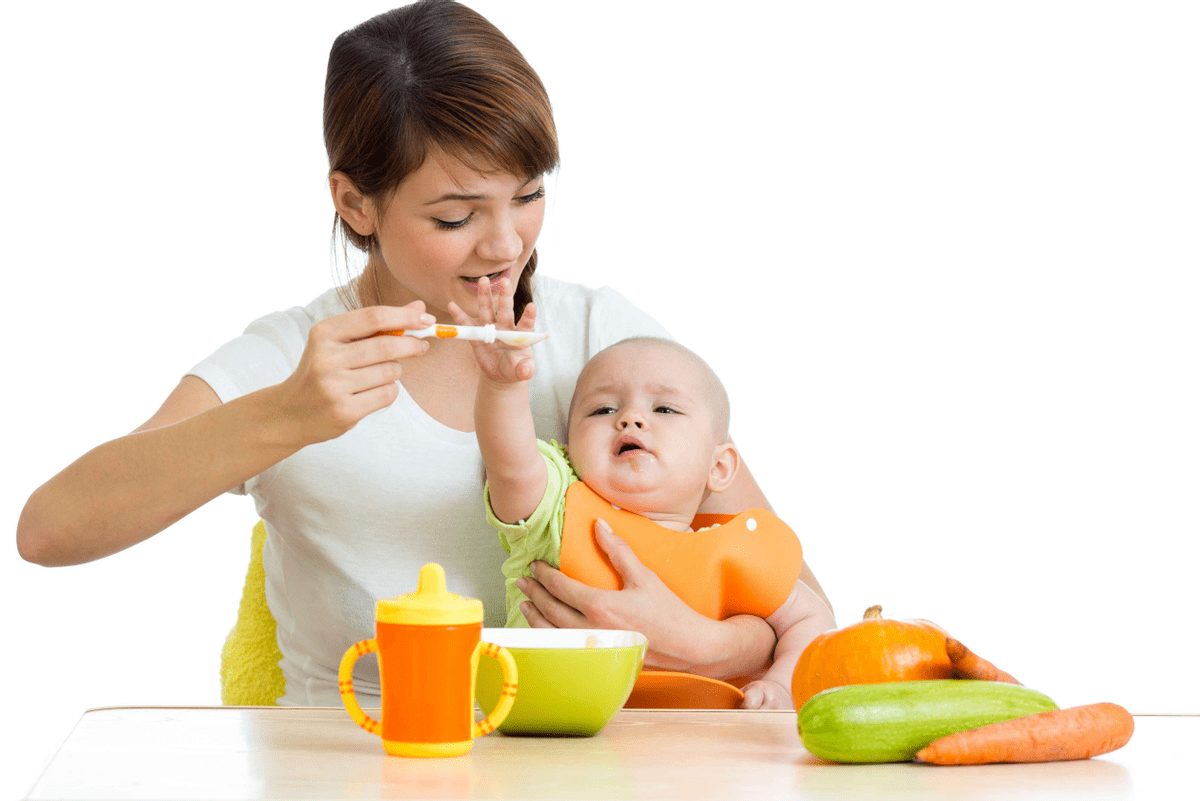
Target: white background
{"x": 944, "y": 256}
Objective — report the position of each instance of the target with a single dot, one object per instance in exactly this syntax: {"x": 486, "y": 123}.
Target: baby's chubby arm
{"x": 797, "y": 622}
{"x": 516, "y": 472}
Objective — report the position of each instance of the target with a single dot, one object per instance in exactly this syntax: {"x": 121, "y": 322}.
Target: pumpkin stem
{"x": 875, "y": 611}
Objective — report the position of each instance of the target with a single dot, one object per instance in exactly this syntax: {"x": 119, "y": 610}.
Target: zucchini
{"x": 891, "y": 722}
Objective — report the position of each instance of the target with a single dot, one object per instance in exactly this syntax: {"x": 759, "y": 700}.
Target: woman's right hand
{"x": 196, "y": 447}
{"x": 348, "y": 370}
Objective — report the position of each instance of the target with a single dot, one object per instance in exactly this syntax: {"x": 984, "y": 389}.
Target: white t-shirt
{"x": 352, "y": 520}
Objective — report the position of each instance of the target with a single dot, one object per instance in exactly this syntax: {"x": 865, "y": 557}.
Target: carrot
{"x": 969, "y": 666}
{"x": 1076, "y": 733}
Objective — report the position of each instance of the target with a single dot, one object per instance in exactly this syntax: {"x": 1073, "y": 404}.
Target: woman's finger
{"x": 372, "y": 400}
{"x": 367, "y": 378}
{"x": 372, "y": 320}
{"x": 628, "y": 566}
{"x": 551, "y": 593}
{"x": 378, "y": 350}
{"x": 534, "y": 618}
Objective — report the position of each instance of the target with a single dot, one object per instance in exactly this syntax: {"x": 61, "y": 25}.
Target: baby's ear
{"x": 726, "y": 462}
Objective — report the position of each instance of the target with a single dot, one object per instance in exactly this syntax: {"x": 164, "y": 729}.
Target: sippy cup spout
{"x": 431, "y": 605}
{"x": 432, "y": 580}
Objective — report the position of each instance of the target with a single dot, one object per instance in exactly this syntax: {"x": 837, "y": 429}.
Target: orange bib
{"x": 747, "y": 564}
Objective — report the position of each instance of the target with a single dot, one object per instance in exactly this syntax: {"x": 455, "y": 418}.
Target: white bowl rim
{"x": 563, "y": 639}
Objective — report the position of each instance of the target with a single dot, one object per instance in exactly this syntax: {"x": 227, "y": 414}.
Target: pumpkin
{"x": 872, "y": 651}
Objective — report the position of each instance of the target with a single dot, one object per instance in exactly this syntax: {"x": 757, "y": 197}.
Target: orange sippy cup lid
{"x": 431, "y": 604}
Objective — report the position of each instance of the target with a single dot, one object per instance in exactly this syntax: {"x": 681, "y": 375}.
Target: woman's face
{"x": 447, "y": 225}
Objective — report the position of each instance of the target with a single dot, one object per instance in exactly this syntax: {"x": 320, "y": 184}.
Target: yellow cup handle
{"x": 507, "y": 692}
{"x": 346, "y": 685}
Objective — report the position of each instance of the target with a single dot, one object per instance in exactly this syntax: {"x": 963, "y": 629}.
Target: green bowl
{"x": 570, "y": 682}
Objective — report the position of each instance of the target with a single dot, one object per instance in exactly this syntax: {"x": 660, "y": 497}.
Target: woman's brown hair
{"x": 432, "y": 75}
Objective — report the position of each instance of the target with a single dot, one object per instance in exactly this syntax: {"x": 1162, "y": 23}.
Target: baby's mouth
{"x": 628, "y": 444}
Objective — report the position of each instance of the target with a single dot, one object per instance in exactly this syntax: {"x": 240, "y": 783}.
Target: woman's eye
{"x": 450, "y": 225}
{"x": 538, "y": 195}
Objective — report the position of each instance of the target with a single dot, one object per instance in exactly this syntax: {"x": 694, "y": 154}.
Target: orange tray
{"x": 665, "y": 689}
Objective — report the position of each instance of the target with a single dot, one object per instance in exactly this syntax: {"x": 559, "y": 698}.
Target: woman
{"x": 438, "y": 134}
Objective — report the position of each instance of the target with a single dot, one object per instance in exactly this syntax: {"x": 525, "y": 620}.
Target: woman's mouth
{"x": 493, "y": 278}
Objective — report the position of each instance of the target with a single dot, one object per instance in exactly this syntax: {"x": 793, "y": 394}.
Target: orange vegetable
{"x": 1076, "y": 733}
{"x": 872, "y": 651}
{"x": 969, "y": 666}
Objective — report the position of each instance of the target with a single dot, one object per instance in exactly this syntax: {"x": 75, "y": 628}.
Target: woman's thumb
{"x": 617, "y": 550}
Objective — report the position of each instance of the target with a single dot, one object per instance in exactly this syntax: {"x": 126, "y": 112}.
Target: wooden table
{"x": 239, "y": 752}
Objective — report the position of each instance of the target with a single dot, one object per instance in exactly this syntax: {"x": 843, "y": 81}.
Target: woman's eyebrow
{"x": 454, "y": 196}
{"x": 461, "y": 196}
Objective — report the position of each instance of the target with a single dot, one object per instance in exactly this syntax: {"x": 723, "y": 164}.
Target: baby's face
{"x": 642, "y": 430}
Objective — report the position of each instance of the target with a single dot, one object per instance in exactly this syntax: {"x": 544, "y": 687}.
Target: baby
{"x": 648, "y": 440}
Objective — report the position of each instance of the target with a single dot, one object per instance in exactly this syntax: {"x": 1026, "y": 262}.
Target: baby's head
{"x": 648, "y": 428}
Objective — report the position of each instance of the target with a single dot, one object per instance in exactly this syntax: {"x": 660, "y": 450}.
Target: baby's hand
{"x": 499, "y": 363}
{"x": 766, "y": 694}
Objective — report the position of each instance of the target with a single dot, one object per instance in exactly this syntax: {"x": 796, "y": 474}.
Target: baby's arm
{"x": 802, "y": 617}
{"x": 516, "y": 472}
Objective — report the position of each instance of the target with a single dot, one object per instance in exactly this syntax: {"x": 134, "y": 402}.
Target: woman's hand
{"x": 680, "y": 638}
{"x": 348, "y": 371}
{"x": 500, "y": 364}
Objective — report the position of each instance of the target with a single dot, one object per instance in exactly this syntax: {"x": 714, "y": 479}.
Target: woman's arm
{"x": 129, "y": 489}
{"x": 194, "y": 448}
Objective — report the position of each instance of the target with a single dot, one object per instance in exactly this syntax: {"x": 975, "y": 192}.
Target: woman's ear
{"x": 351, "y": 205}
{"x": 726, "y": 462}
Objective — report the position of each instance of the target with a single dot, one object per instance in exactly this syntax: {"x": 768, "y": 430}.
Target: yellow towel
{"x": 250, "y": 672}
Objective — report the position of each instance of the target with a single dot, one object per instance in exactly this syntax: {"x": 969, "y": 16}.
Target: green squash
{"x": 891, "y": 722}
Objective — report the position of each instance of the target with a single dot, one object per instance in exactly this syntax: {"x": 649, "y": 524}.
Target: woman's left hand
{"x": 680, "y": 638}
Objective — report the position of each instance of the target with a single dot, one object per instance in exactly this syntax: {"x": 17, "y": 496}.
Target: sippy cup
{"x": 428, "y": 646}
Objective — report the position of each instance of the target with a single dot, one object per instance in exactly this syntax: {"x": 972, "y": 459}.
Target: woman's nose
{"x": 502, "y": 242}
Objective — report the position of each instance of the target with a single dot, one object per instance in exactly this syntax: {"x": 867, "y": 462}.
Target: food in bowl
{"x": 570, "y": 682}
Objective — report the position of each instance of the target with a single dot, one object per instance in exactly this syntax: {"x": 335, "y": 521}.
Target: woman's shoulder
{"x": 297, "y": 320}
{"x": 267, "y": 351}
{"x": 601, "y": 314}
{"x": 554, "y": 295}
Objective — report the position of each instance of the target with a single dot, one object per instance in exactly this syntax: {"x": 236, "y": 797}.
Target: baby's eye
{"x": 665, "y": 410}
{"x": 450, "y": 225}
{"x": 604, "y": 410}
